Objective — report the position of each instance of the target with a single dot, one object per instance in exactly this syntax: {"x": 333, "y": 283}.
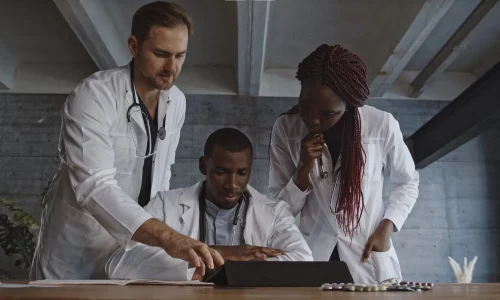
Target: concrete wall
{"x": 455, "y": 214}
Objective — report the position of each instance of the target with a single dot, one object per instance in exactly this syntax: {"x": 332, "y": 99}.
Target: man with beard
{"x": 120, "y": 130}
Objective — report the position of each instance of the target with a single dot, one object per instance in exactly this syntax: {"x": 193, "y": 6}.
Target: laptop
{"x": 279, "y": 274}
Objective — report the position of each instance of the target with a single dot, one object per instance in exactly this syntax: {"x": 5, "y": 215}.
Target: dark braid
{"x": 345, "y": 73}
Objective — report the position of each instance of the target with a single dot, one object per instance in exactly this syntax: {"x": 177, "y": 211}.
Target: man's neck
{"x": 148, "y": 95}
{"x": 218, "y": 206}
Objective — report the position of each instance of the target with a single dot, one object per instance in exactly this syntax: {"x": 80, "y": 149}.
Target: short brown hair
{"x": 159, "y": 13}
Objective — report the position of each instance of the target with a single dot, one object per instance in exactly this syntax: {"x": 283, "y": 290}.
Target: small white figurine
{"x": 465, "y": 275}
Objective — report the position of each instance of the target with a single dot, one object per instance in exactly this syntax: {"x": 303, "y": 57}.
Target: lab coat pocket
{"x": 125, "y": 152}
{"x": 76, "y": 235}
{"x": 386, "y": 266}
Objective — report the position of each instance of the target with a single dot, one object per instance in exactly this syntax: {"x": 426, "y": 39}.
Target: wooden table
{"x": 443, "y": 291}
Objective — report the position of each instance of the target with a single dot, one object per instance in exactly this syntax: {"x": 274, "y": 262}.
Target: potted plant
{"x": 18, "y": 235}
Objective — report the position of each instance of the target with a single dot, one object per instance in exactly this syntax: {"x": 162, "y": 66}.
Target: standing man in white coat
{"x": 223, "y": 211}
{"x": 328, "y": 156}
{"x": 120, "y": 130}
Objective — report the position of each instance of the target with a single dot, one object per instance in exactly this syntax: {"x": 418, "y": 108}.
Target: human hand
{"x": 247, "y": 252}
{"x": 198, "y": 254}
{"x": 198, "y": 274}
{"x": 379, "y": 240}
{"x": 311, "y": 147}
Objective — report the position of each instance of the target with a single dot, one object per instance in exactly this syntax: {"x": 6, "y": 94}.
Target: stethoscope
{"x": 202, "y": 204}
{"x": 319, "y": 164}
{"x": 324, "y": 175}
{"x": 162, "y": 132}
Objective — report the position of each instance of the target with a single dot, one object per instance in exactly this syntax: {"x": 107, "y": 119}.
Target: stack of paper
{"x": 120, "y": 282}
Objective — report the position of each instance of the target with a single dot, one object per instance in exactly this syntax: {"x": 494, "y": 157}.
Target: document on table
{"x": 18, "y": 285}
{"x": 120, "y": 282}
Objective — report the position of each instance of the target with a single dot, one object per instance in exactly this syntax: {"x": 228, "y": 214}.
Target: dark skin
{"x": 227, "y": 175}
{"x": 320, "y": 108}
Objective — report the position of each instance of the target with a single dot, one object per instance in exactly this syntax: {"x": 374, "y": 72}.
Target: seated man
{"x": 222, "y": 211}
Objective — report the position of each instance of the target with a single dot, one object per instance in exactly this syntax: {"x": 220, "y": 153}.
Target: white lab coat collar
{"x": 191, "y": 214}
{"x": 189, "y": 199}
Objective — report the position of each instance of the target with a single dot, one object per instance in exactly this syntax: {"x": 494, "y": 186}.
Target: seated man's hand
{"x": 247, "y": 252}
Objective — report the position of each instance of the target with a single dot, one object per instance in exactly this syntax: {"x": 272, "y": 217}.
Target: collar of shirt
{"x": 216, "y": 212}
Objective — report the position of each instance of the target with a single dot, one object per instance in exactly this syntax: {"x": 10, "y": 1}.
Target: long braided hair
{"x": 345, "y": 73}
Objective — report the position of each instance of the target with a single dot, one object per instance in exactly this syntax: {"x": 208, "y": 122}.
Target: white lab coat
{"x": 92, "y": 201}
{"x": 269, "y": 223}
{"x": 385, "y": 151}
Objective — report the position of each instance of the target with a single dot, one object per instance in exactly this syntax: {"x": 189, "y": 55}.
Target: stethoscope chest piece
{"x": 162, "y": 133}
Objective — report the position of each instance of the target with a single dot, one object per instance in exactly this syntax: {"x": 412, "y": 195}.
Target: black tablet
{"x": 280, "y": 274}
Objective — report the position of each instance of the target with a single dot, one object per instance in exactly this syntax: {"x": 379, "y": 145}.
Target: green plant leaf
{"x": 16, "y": 240}
{"x": 20, "y": 217}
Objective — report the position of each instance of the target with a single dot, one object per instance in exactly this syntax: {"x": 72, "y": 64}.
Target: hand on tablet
{"x": 247, "y": 252}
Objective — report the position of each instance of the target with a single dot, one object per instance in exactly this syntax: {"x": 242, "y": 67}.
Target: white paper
{"x": 18, "y": 285}
{"x": 119, "y": 282}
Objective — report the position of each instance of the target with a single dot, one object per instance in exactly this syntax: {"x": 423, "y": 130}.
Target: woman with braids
{"x": 328, "y": 156}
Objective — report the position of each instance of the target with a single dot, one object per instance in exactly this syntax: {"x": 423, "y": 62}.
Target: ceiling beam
{"x": 451, "y": 49}
{"x": 8, "y": 65}
{"x": 99, "y": 26}
{"x": 424, "y": 23}
{"x": 253, "y": 20}
{"x": 474, "y": 111}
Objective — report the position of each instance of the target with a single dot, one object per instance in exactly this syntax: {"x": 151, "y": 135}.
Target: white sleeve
{"x": 282, "y": 172}
{"x": 88, "y": 115}
{"x": 286, "y": 236}
{"x": 403, "y": 176}
{"x": 146, "y": 262}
